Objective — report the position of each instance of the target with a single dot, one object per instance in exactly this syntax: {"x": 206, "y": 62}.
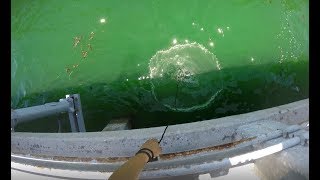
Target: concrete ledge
{"x": 188, "y": 149}
{"x": 178, "y": 138}
{"x": 162, "y": 168}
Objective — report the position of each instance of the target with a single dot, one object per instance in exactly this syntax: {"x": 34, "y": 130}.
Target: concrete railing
{"x": 183, "y": 145}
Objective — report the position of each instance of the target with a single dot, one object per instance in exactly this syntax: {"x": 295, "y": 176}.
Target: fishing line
{"x": 163, "y": 133}
{"x": 175, "y": 103}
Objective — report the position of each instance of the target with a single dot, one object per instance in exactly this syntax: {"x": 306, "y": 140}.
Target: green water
{"x": 158, "y": 62}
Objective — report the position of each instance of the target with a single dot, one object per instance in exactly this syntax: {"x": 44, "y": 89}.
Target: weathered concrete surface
{"x": 188, "y": 163}
{"x": 291, "y": 164}
{"x": 292, "y": 113}
{"x": 178, "y": 138}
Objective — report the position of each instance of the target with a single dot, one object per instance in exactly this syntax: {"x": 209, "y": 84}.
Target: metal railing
{"x": 71, "y": 105}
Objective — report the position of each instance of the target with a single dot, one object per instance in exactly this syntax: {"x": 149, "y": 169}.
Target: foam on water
{"x": 180, "y": 76}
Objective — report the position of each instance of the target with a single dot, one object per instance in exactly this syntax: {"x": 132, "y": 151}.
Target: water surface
{"x": 158, "y": 62}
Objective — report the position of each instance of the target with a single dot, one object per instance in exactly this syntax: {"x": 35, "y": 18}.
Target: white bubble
{"x": 174, "y": 41}
{"x": 102, "y": 20}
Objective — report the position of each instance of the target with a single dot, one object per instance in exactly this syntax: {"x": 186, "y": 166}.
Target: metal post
{"x": 75, "y": 113}
{"x": 79, "y": 115}
{"x": 72, "y": 117}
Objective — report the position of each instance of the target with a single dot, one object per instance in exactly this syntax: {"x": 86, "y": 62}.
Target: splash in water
{"x": 185, "y": 77}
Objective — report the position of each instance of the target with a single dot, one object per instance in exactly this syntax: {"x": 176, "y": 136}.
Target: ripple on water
{"x": 185, "y": 77}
